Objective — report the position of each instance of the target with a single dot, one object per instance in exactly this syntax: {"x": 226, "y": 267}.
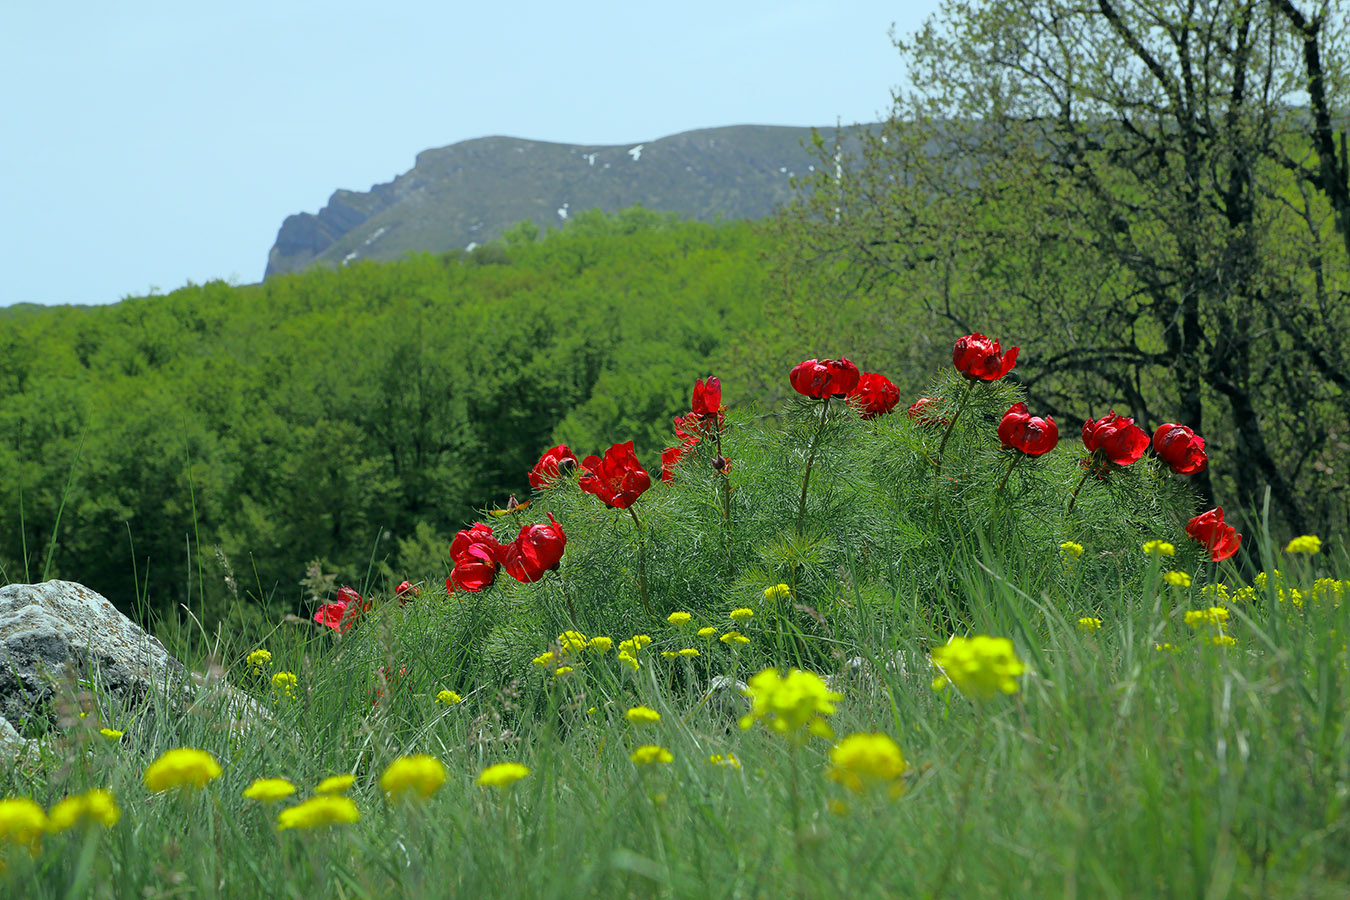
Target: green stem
{"x": 810, "y": 460}
{"x": 642, "y": 563}
{"x": 965, "y": 399}
{"x": 1073, "y": 498}
{"x": 1011, "y": 465}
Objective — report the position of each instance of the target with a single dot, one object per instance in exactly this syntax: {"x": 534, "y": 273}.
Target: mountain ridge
{"x": 467, "y": 193}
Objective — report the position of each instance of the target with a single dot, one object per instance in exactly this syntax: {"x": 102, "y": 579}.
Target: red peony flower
{"x": 555, "y": 463}
{"x": 476, "y": 555}
{"x": 618, "y": 479}
{"x": 349, "y": 596}
{"x": 875, "y": 395}
{"x": 334, "y": 616}
{"x": 824, "y": 378}
{"x": 707, "y": 400}
{"x": 537, "y": 549}
{"x": 1118, "y": 438}
{"x": 670, "y": 458}
{"x": 921, "y": 414}
{"x": 1180, "y": 448}
{"x": 407, "y": 591}
{"x": 1030, "y": 434}
{"x": 977, "y": 357}
{"x": 1220, "y": 539}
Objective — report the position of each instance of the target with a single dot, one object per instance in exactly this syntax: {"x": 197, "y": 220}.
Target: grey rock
{"x": 13, "y": 747}
{"x": 61, "y": 634}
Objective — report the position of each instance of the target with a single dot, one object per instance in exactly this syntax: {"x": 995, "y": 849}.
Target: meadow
{"x": 846, "y": 650}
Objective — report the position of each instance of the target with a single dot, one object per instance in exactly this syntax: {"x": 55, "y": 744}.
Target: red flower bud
{"x": 535, "y": 550}
{"x": 406, "y": 591}
{"x": 1220, "y": 539}
{"x": 978, "y": 358}
{"x": 1180, "y": 448}
{"x": 875, "y": 395}
{"x": 721, "y": 465}
{"x": 921, "y": 414}
{"x": 555, "y": 463}
{"x": 1030, "y": 434}
{"x": 1118, "y": 438}
{"x": 707, "y": 400}
{"x": 618, "y": 479}
{"x": 476, "y": 555}
{"x": 824, "y": 378}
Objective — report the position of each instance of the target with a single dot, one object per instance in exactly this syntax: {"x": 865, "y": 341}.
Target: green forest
{"x": 219, "y": 445}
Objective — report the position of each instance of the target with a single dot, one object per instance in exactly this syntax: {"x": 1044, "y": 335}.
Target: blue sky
{"x": 152, "y": 143}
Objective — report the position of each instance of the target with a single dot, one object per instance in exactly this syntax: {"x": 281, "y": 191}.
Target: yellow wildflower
{"x": 687, "y": 652}
{"x": 1223, "y": 640}
{"x": 283, "y": 683}
{"x": 335, "y": 784}
{"x": 732, "y": 638}
{"x": 634, "y": 644}
{"x": 742, "y": 615}
{"x": 572, "y": 642}
{"x": 629, "y": 660}
{"x": 600, "y": 645}
{"x": 643, "y": 714}
{"x": 269, "y": 790}
{"x": 1159, "y": 548}
{"x": 563, "y": 670}
{"x": 679, "y": 618}
{"x": 726, "y": 760}
{"x": 501, "y": 775}
{"x": 1308, "y": 543}
{"x": 1214, "y": 617}
{"x": 418, "y": 774}
{"x": 257, "y": 659}
{"x": 1215, "y": 593}
{"x": 979, "y": 667}
{"x": 448, "y": 698}
{"x": 707, "y": 632}
{"x": 861, "y": 761}
{"x": 545, "y": 659}
{"x": 111, "y": 734}
{"x": 790, "y": 704}
{"x": 1071, "y": 550}
{"x": 1325, "y": 589}
{"x": 1169, "y": 648}
{"x": 1088, "y": 624}
{"x": 319, "y": 812}
{"x": 183, "y": 766}
{"x": 97, "y": 807}
{"x": 669, "y": 654}
{"x": 1177, "y": 579}
{"x": 649, "y": 754}
{"x": 22, "y": 822}
{"x": 777, "y": 592}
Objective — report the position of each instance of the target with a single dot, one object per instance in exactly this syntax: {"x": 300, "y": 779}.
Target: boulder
{"x": 61, "y": 634}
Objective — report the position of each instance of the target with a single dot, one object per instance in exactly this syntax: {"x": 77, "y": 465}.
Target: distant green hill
{"x": 470, "y": 192}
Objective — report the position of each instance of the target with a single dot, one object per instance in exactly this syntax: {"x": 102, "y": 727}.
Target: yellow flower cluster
{"x": 687, "y": 652}
{"x": 776, "y": 592}
{"x": 650, "y": 754}
{"x": 725, "y": 760}
{"x": 791, "y": 704}
{"x": 319, "y": 812}
{"x": 733, "y": 638}
{"x": 96, "y": 807}
{"x": 1307, "y": 543}
{"x": 448, "y": 698}
{"x": 1159, "y": 548}
{"x": 111, "y": 734}
{"x": 1070, "y": 550}
{"x": 863, "y": 761}
{"x": 572, "y": 642}
{"x": 707, "y": 632}
{"x": 744, "y": 614}
{"x": 22, "y": 823}
{"x": 600, "y": 645}
{"x": 501, "y": 775}
{"x": 679, "y": 618}
{"x": 257, "y": 659}
{"x": 1213, "y": 617}
{"x": 1328, "y": 590}
{"x": 979, "y": 667}
{"x": 283, "y": 683}
{"x": 269, "y": 790}
{"x": 419, "y": 775}
{"x": 643, "y": 714}
{"x": 182, "y": 767}
{"x": 1177, "y": 579}
{"x": 1088, "y": 624}
{"x": 335, "y": 784}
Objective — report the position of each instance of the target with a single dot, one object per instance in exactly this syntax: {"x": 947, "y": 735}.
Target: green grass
{"x": 1116, "y": 770}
